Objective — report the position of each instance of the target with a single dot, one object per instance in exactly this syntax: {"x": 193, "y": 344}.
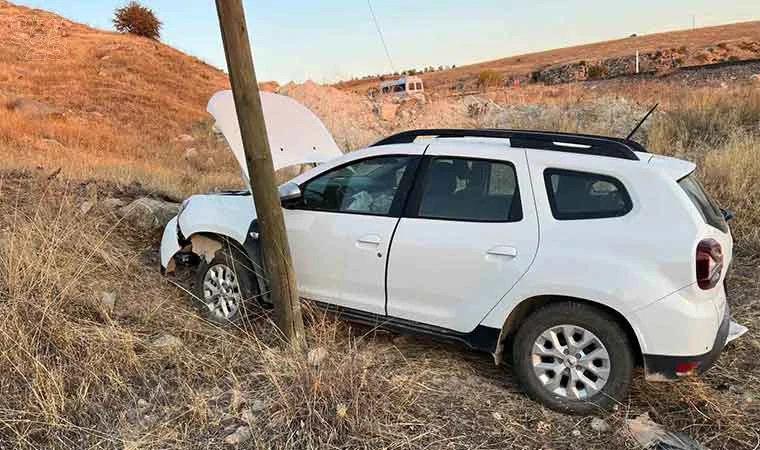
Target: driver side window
{"x": 368, "y": 186}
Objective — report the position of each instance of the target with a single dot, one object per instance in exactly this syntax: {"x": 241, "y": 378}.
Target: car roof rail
{"x": 585, "y": 144}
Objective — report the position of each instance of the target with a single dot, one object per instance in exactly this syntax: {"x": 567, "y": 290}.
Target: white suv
{"x": 579, "y": 256}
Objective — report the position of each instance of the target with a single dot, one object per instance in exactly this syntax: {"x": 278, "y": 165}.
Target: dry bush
{"x": 137, "y": 19}
{"x": 489, "y": 78}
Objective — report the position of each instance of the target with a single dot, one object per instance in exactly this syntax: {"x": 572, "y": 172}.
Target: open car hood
{"x": 296, "y": 135}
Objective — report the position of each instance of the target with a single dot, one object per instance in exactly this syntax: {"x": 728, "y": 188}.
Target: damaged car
{"x": 576, "y": 257}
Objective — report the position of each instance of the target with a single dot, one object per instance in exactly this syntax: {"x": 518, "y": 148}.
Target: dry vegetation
{"x": 148, "y": 373}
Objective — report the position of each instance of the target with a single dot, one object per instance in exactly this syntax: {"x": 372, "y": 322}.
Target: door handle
{"x": 369, "y": 239}
{"x": 503, "y": 250}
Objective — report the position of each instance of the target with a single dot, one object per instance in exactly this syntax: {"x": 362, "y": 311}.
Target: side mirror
{"x": 289, "y": 191}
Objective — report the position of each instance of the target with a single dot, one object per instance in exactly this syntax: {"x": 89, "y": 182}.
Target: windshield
{"x": 709, "y": 210}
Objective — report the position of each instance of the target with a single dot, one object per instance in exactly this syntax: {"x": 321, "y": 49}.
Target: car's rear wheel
{"x": 225, "y": 288}
{"x": 573, "y": 357}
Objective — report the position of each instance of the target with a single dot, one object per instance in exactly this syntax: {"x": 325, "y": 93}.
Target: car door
{"x": 468, "y": 234}
{"x": 340, "y": 231}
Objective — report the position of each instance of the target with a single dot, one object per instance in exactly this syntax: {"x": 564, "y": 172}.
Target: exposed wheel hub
{"x": 571, "y": 362}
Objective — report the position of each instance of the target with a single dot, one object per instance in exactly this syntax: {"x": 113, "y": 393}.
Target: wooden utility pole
{"x": 274, "y": 242}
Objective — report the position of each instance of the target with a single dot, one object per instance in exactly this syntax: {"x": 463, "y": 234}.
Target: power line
{"x": 382, "y": 39}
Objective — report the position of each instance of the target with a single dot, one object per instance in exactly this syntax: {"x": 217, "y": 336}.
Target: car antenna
{"x": 641, "y": 122}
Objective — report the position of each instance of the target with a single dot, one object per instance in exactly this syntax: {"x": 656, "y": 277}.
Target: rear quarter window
{"x": 706, "y": 206}
{"x": 577, "y": 195}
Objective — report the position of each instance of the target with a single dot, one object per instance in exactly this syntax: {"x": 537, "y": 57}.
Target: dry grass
{"x": 80, "y": 375}
{"x": 75, "y": 373}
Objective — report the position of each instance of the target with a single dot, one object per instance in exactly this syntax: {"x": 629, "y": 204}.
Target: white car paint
{"x": 311, "y": 144}
{"x": 440, "y": 272}
{"x": 466, "y": 266}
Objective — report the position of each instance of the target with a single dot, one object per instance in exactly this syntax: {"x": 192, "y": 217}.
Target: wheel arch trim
{"x": 522, "y": 309}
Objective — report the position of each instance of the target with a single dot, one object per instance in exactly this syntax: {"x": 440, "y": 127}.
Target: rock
{"x": 32, "y": 107}
{"x": 142, "y": 404}
{"x": 316, "y": 356}
{"x": 149, "y": 213}
{"x": 599, "y": 425}
{"x": 105, "y": 57}
{"x": 755, "y": 78}
{"x": 387, "y": 111}
{"x": 649, "y": 434}
{"x": 51, "y": 142}
{"x": 112, "y": 203}
{"x": 190, "y": 153}
{"x": 108, "y": 300}
{"x": 241, "y": 435}
{"x": 576, "y": 433}
{"x": 247, "y": 416}
{"x": 184, "y": 138}
{"x": 496, "y": 415}
{"x": 86, "y": 206}
{"x": 258, "y": 406}
{"x": 167, "y": 341}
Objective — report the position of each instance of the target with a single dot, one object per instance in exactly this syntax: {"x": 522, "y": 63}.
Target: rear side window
{"x": 471, "y": 190}
{"x": 709, "y": 210}
{"x": 582, "y": 195}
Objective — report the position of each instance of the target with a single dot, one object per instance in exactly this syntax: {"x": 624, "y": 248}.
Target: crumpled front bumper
{"x": 668, "y": 368}
{"x": 169, "y": 245}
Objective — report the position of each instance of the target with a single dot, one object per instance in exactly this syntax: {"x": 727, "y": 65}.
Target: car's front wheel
{"x": 226, "y": 286}
{"x": 573, "y": 357}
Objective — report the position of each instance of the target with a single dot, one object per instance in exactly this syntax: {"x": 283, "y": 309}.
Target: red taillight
{"x": 709, "y": 263}
{"x": 686, "y": 368}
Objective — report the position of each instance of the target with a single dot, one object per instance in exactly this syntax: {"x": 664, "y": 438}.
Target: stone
{"x": 167, "y": 341}
{"x": 387, "y": 111}
{"x": 108, "y": 300}
{"x": 32, "y": 107}
{"x": 599, "y": 425}
{"x": 240, "y": 436}
{"x": 258, "y": 406}
{"x": 755, "y": 78}
{"x": 51, "y": 142}
{"x": 112, "y": 203}
{"x": 497, "y": 415}
{"x": 86, "y": 206}
{"x": 142, "y": 404}
{"x": 190, "y": 153}
{"x": 149, "y": 213}
{"x": 316, "y": 356}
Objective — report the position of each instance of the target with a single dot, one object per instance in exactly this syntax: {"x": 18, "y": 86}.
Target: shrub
{"x": 597, "y": 71}
{"x": 489, "y": 78}
{"x": 137, "y": 19}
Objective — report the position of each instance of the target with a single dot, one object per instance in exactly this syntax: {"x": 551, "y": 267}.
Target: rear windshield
{"x": 705, "y": 205}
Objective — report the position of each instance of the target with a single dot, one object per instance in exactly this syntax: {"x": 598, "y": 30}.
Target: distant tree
{"x": 137, "y": 19}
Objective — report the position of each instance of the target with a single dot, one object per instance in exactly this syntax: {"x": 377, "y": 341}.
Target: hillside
{"x": 68, "y": 89}
{"x": 689, "y": 47}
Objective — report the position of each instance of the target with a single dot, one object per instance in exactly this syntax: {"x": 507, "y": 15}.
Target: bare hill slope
{"x": 741, "y": 40}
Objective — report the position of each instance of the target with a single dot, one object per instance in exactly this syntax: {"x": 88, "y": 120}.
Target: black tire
{"x": 599, "y": 322}
{"x": 244, "y": 272}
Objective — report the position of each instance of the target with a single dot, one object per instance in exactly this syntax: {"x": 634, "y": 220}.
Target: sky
{"x": 330, "y": 40}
